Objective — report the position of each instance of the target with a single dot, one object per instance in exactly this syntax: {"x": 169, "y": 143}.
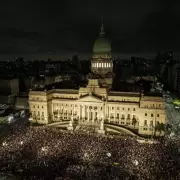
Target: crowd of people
{"x": 48, "y": 153}
{"x": 173, "y": 116}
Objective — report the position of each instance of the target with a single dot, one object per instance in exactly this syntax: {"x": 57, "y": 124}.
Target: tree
{"x": 157, "y": 128}
{"x": 160, "y": 127}
{"x": 134, "y": 122}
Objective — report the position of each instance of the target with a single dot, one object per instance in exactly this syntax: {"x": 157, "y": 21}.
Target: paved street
{"x": 173, "y": 116}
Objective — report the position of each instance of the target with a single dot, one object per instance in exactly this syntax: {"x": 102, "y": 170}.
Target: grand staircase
{"x": 109, "y": 128}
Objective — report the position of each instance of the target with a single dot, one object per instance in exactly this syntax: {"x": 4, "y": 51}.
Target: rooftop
{"x": 60, "y": 85}
{"x": 153, "y": 94}
{"x": 66, "y": 91}
{"x": 117, "y": 93}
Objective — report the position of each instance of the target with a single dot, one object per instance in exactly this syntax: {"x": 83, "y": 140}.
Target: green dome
{"x": 102, "y": 45}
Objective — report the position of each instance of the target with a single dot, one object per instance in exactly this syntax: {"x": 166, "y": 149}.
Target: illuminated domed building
{"x": 102, "y": 63}
{"x": 97, "y": 106}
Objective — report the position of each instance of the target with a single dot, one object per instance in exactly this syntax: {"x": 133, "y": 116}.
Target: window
{"x": 123, "y": 109}
{"x": 151, "y": 123}
{"x": 42, "y": 107}
{"x": 128, "y": 109}
{"x": 38, "y": 106}
{"x": 145, "y": 122}
{"x": 38, "y": 113}
{"x": 152, "y": 115}
{"x": 117, "y": 115}
{"x": 117, "y": 108}
{"x": 112, "y": 115}
{"x": 34, "y": 106}
{"x": 42, "y": 113}
{"x": 157, "y": 115}
{"x": 145, "y": 114}
{"x": 128, "y": 116}
{"x": 159, "y": 105}
{"x": 134, "y": 109}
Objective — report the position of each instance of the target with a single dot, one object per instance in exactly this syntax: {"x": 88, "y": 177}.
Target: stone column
{"x": 58, "y": 115}
{"x": 53, "y": 111}
{"x": 83, "y": 112}
{"x": 79, "y": 112}
{"x": 105, "y": 110}
{"x": 115, "y": 114}
{"x": 73, "y": 111}
{"x": 93, "y": 114}
{"x": 99, "y": 113}
{"x": 63, "y": 112}
{"x": 88, "y": 111}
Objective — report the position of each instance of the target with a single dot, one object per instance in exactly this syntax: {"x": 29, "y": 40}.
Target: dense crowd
{"x": 173, "y": 116}
{"x": 47, "y": 153}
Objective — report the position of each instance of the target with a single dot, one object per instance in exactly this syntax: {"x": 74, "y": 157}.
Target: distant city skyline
{"x": 82, "y": 56}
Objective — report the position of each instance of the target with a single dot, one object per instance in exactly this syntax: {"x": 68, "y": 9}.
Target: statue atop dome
{"x": 102, "y": 33}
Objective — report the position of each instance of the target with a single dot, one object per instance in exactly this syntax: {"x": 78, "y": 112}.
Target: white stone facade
{"x": 91, "y": 105}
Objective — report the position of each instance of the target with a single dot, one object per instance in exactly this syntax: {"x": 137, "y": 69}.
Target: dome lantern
{"x": 102, "y": 45}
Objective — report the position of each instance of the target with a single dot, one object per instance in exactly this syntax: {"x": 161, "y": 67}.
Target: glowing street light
{"x": 4, "y": 144}
{"x": 135, "y": 162}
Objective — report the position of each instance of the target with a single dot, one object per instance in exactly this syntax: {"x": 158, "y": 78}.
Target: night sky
{"x": 73, "y": 25}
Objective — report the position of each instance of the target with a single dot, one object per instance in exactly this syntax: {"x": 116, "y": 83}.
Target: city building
{"x": 178, "y": 79}
{"x": 171, "y": 75}
{"x": 21, "y": 101}
{"x": 9, "y": 87}
{"x": 97, "y": 105}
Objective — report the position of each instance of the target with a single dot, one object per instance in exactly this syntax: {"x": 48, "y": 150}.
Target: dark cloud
{"x": 132, "y": 26}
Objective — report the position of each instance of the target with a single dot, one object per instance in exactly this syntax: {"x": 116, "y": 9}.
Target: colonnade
{"x": 91, "y": 113}
{"x": 101, "y": 65}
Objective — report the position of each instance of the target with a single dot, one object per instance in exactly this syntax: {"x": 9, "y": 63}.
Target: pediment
{"x": 89, "y": 99}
